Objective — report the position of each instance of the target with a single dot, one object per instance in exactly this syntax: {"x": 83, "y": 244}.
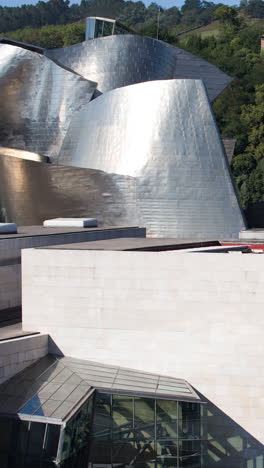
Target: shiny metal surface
{"x": 122, "y": 60}
{"x": 31, "y": 192}
{"x": 163, "y": 134}
{"x": 157, "y": 142}
{"x": 37, "y": 100}
{"x": 33, "y": 48}
{"x": 14, "y": 153}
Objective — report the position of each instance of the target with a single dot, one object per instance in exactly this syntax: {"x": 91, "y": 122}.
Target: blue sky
{"x": 163, "y": 3}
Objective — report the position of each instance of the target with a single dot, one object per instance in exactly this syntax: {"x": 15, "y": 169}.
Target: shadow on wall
{"x": 229, "y": 445}
{"x": 53, "y": 348}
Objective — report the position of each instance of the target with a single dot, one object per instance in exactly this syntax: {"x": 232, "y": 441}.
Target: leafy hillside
{"x": 214, "y": 28}
{"x": 229, "y": 38}
{"x": 134, "y": 14}
{"x": 240, "y": 109}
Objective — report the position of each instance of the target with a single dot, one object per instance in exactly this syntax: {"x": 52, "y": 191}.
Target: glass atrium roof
{"x": 55, "y": 387}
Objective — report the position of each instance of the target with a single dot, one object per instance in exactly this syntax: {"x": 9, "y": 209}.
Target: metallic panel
{"x": 37, "y": 100}
{"x": 122, "y": 60}
{"x": 31, "y": 192}
{"x": 14, "y": 153}
{"x": 162, "y": 134}
{"x": 33, "y": 48}
{"x": 157, "y": 143}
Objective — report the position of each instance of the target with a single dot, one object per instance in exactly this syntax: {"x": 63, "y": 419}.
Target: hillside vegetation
{"x": 229, "y": 38}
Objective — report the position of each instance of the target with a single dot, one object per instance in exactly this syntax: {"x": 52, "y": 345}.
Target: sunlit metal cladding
{"x": 31, "y": 192}
{"x": 37, "y": 100}
{"x": 14, "y": 153}
{"x": 159, "y": 138}
{"x": 164, "y": 135}
{"x": 117, "y": 61}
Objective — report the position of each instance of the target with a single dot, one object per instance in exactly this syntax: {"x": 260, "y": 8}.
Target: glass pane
{"x": 122, "y": 417}
{"x": 31, "y": 406}
{"x": 67, "y": 441}
{"x": 189, "y": 421}
{"x": 99, "y": 28}
{"x": 36, "y": 437}
{"x": 18, "y": 462}
{"x": 133, "y": 453}
{"x": 3, "y": 460}
{"x": 144, "y": 418}
{"x": 167, "y": 449}
{"x": 101, "y": 433}
{"x": 168, "y": 463}
{"x": 123, "y": 453}
{"x": 31, "y": 462}
{"x": 145, "y": 451}
{"x": 100, "y": 452}
{"x": 166, "y": 419}
{"x": 190, "y": 453}
{"x": 5, "y": 431}
{"x": 22, "y": 437}
{"x": 102, "y": 412}
{"x": 76, "y": 437}
{"x": 52, "y": 441}
{"x": 83, "y": 425}
{"x": 108, "y": 27}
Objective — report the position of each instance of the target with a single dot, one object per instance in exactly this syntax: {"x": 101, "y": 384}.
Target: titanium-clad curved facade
{"x": 117, "y": 61}
{"x": 156, "y": 141}
{"x": 162, "y": 133}
{"x": 37, "y": 100}
{"x": 14, "y": 153}
{"x": 31, "y": 192}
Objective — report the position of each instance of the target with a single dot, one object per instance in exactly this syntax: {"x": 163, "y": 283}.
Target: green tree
{"x": 228, "y": 16}
{"x": 256, "y": 8}
{"x": 191, "y": 5}
{"x": 73, "y": 34}
{"x": 252, "y": 117}
{"x": 248, "y": 168}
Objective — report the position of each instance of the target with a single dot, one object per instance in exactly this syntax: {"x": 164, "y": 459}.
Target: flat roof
{"x": 11, "y": 332}
{"x": 137, "y": 244}
{"x": 55, "y": 387}
{"x": 32, "y": 231}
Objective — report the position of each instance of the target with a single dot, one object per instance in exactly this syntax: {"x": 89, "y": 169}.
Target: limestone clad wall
{"x": 10, "y": 257}
{"x": 197, "y": 316}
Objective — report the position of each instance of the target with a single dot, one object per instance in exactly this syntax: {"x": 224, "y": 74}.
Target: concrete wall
{"x": 17, "y": 354}
{"x": 197, "y": 316}
{"x": 10, "y": 258}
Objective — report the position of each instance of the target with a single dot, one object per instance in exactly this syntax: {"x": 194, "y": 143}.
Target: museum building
{"x": 133, "y": 351}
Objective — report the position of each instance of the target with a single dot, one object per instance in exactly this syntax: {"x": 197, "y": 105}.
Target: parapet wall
{"x": 19, "y": 353}
{"x": 10, "y": 257}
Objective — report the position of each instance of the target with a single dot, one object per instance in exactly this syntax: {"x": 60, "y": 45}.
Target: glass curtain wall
{"x": 75, "y": 438}
{"x": 28, "y": 444}
{"x": 109, "y": 431}
{"x": 144, "y": 432}
{"x": 25, "y": 444}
